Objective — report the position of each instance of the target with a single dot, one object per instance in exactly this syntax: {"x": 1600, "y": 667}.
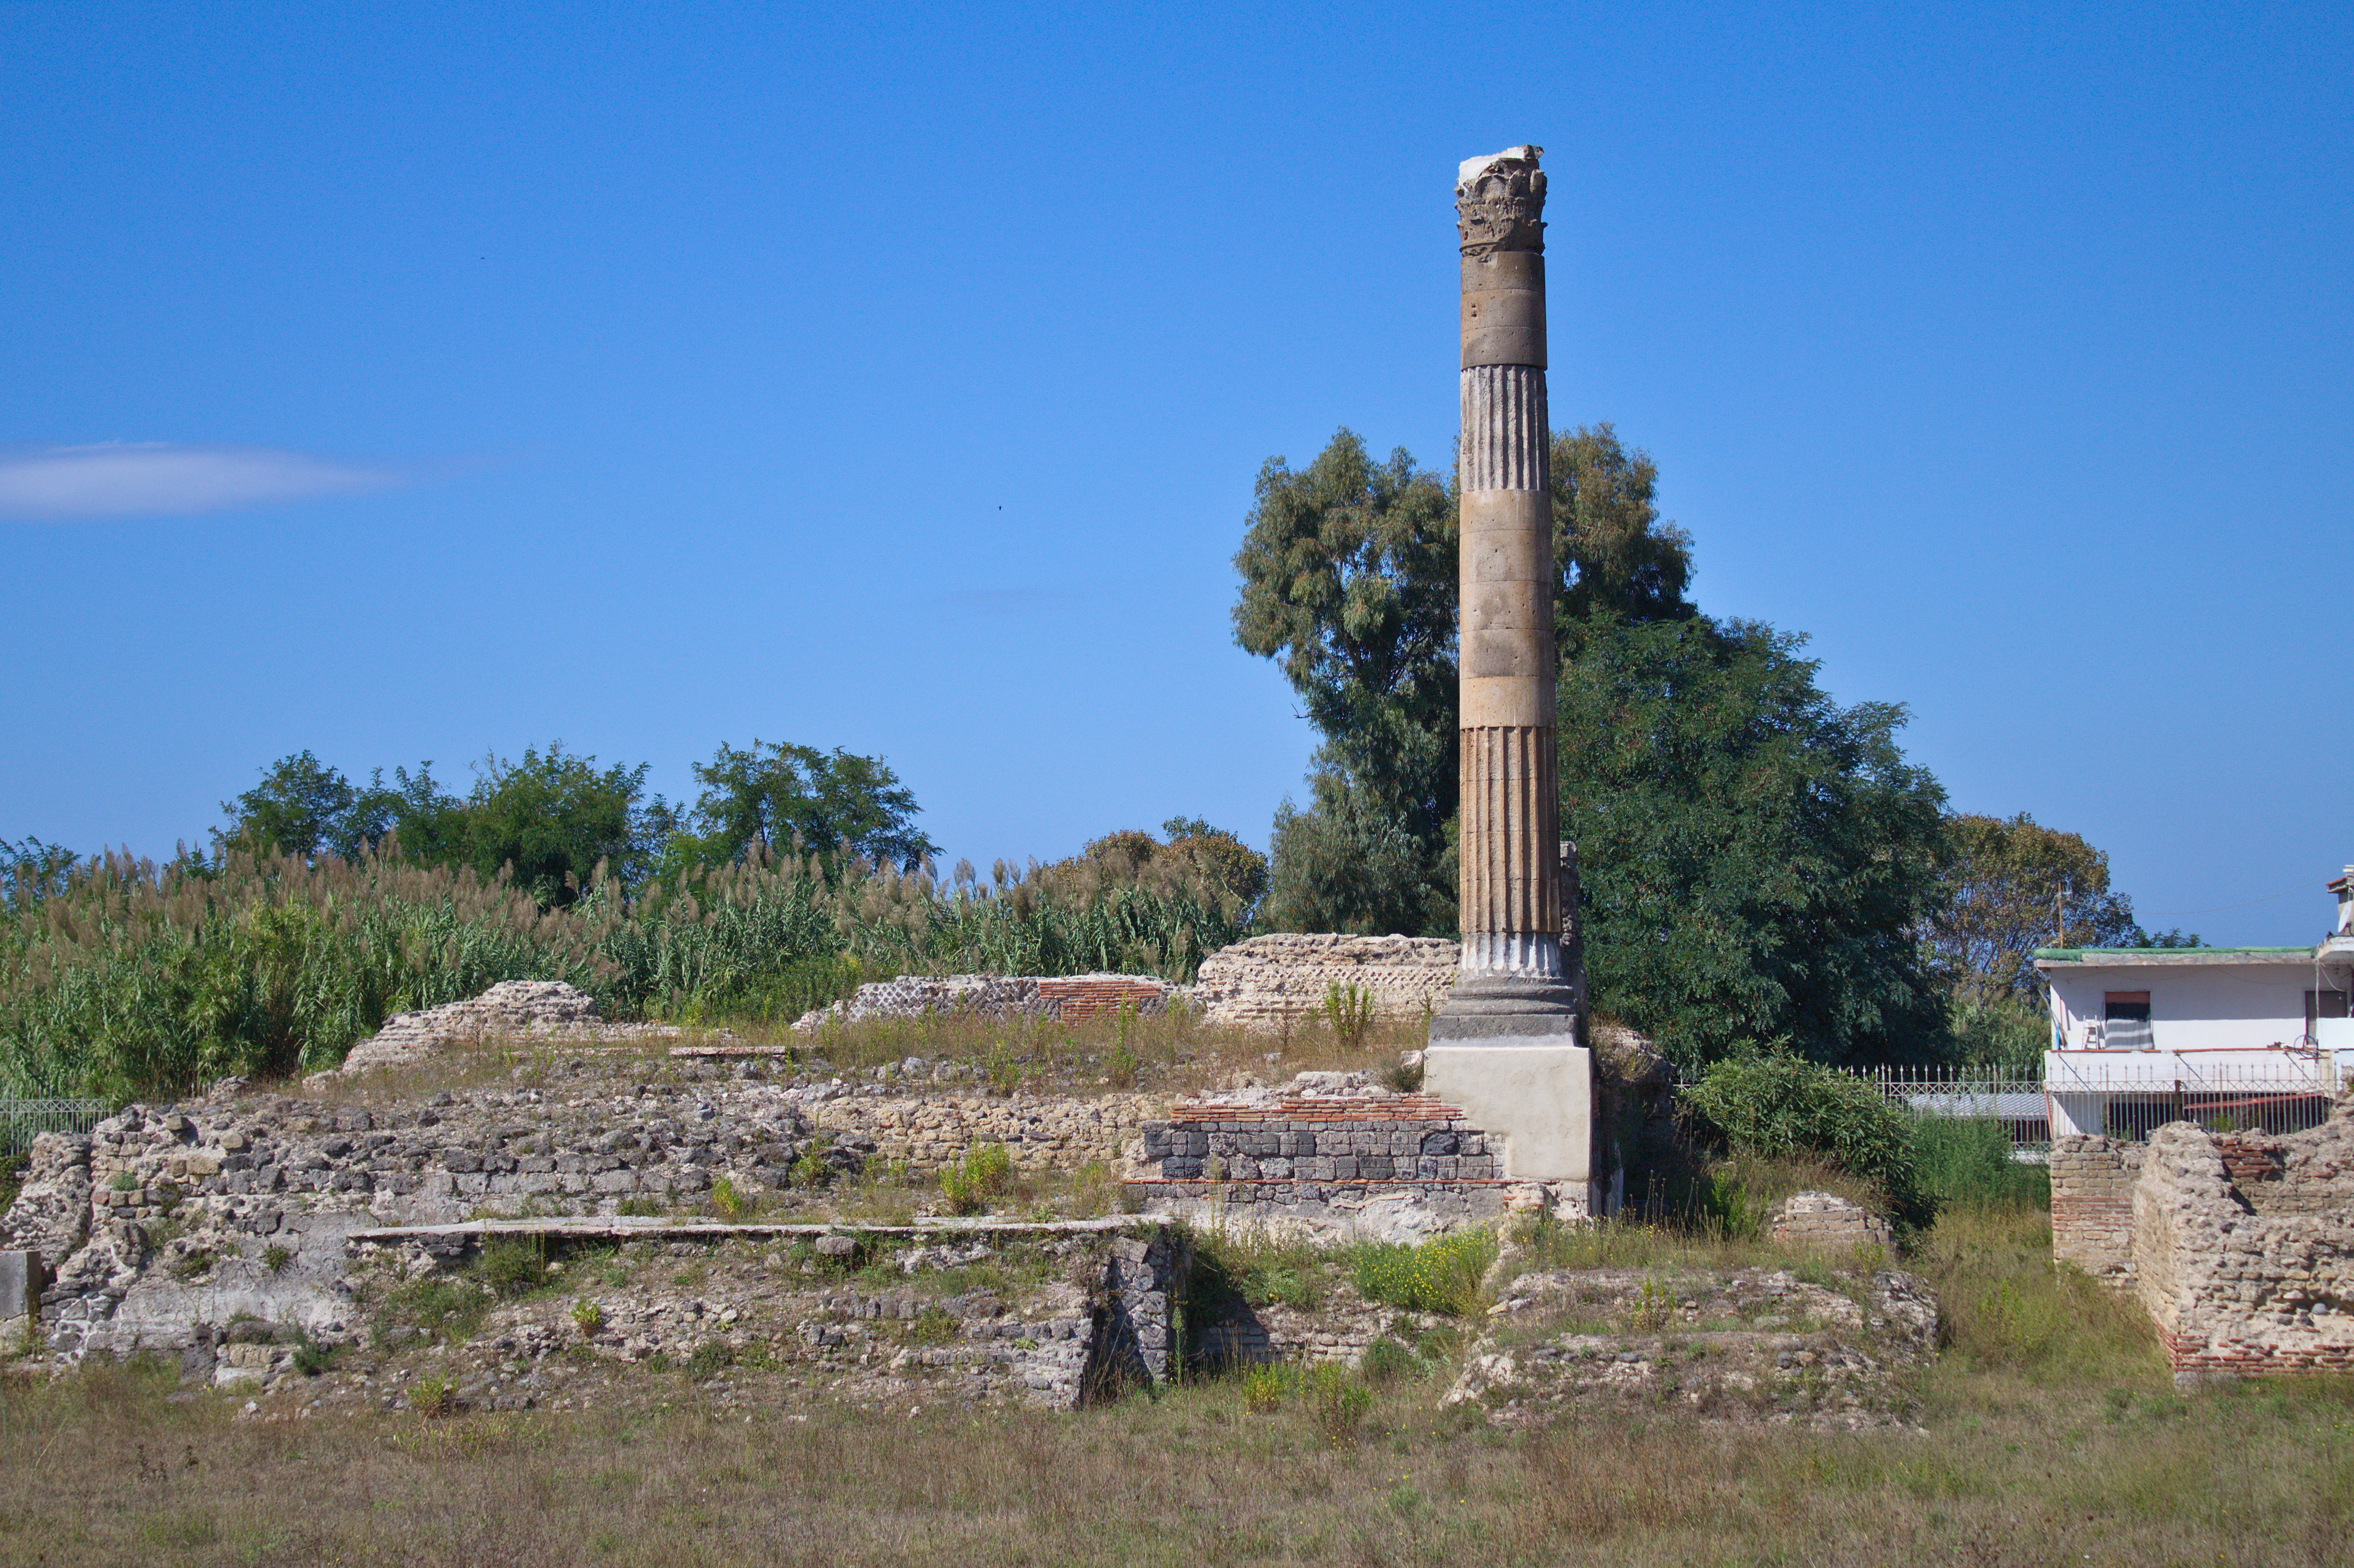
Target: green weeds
{"x": 1439, "y": 1276}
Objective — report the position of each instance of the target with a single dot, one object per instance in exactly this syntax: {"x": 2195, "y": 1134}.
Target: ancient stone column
{"x": 1505, "y": 1044}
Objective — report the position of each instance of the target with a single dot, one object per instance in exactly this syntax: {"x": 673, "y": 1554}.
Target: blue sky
{"x": 465, "y": 376}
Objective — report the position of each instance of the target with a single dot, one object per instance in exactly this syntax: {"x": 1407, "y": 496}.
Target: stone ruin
{"x": 2239, "y": 1244}
{"x": 1063, "y": 998}
{"x": 511, "y": 1009}
{"x": 245, "y": 1234}
{"x": 1337, "y": 1158}
{"x": 1277, "y": 983}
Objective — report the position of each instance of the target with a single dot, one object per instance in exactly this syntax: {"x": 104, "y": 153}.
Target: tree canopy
{"x": 766, "y": 797}
{"x": 554, "y": 817}
{"x": 1755, "y": 858}
{"x": 1348, "y": 578}
{"x": 2013, "y": 885}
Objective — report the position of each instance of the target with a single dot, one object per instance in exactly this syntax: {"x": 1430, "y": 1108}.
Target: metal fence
{"x": 2015, "y": 1100}
{"x": 2268, "y": 1091}
{"x": 22, "y": 1120}
{"x": 2121, "y": 1097}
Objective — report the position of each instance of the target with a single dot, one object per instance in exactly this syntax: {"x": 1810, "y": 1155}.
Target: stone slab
{"x": 22, "y": 1279}
{"x": 1534, "y": 1093}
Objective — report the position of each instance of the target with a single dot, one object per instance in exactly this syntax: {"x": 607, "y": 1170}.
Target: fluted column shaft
{"x": 1511, "y": 889}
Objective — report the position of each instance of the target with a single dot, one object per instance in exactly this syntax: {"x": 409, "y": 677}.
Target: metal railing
{"x": 2014, "y": 1099}
{"x": 22, "y": 1120}
{"x": 2224, "y": 1091}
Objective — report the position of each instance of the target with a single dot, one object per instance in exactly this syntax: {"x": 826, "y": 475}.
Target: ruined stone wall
{"x": 161, "y": 1216}
{"x": 1830, "y": 1222}
{"x": 1364, "y": 1163}
{"x": 1268, "y": 983}
{"x": 1066, "y": 998}
{"x": 2093, "y": 1182}
{"x": 930, "y": 1130}
{"x": 512, "y": 1009}
{"x": 2243, "y": 1248}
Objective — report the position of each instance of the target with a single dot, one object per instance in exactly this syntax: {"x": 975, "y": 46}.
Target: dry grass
{"x": 2051, "y": 1435}
{"x": 1173, "y": 1055}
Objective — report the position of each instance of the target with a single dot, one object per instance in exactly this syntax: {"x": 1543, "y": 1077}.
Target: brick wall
{"x": 1092, "y": 996}
{"x": 2093, "y": 1182}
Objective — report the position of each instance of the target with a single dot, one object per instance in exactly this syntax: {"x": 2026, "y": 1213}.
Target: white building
{"x": 2258, "y": 1036}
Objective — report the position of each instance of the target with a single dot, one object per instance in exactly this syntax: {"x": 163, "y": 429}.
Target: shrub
{"x": 514, "y": 1265}
{"x": 588, "y": 1316}
{"x": 731, "y": 1204}
{"x": 1265, "y": 1388}
{"x": 1966, "y": 1163}
{"x": 1337, "y": 1403}
{"x": 1349, "y": 1011}
{"x": 710, "y": 1358}
{"x": 1780, "y": 1106}
{"x": 275, "y": 1257}
{"x": 1387, "y": 1361}
{"x": 932, "y": 1326}
{"x": 985, "y": 1172}
{"x": 1439, "y": 1276}
{"x": 433, "y": 1396}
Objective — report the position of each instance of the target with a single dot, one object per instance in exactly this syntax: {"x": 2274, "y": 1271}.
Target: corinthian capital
{"x": 1500, "y": 202}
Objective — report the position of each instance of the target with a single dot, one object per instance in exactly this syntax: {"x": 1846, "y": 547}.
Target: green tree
{"x": 759, "y": 800}
{"x": 2013, "y": 885}
{"x": 1614, "y": 554}
{"x": 1222, "y": 856}
{"x": 301, "y": 807}
{"x": 1756, "y": 859}
{"x": 426, "y": 823}
{"x": 1348, "y": 578}
{"x": 556, "y": 817}
{"x": 1342, "y": 866}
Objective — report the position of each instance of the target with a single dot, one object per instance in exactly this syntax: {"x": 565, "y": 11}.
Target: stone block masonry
{"x": 1392, "y": 1167}
{"x": 1830, "y": 1222}
{"x": 1063, "y": 998}
{"x": 1408, "y": 1138}
{"x": 1275, "y": 982}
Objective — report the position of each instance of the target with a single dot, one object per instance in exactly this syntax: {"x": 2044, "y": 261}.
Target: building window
{"x": 2321, "y": 1004}
{"x": 2125, "y": 1020}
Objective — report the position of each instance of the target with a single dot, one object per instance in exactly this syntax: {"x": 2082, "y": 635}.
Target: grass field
{"x": 2049, "y": 1433}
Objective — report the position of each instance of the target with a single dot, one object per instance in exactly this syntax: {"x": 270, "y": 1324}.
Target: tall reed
{"x": 126, "y": 977}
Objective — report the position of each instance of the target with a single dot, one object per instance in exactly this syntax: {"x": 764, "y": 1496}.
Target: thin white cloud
{"x": 156, "y": 478}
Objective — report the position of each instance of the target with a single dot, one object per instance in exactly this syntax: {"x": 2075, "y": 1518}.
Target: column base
{"x": 1532, "y": 1093}
{"x": 1484, "y": 1007}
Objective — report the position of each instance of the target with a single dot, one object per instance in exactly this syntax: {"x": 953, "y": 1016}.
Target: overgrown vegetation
{"x": 123, "y": 976}
{"x": 985, "y": 1172}
{"x": 1438, "y": 1276}
{"x": 1781, "y": 1105}
{"x": 2048, "y": 1417}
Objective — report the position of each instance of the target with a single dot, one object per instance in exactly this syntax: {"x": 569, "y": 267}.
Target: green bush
{"x": 1777, "y": 1107}
{"x": 1337, "y": 1403}
{"x": 1966, "y": 1163}
{"x": 514, "y": 1265}
{"x": 1387, "y": 1361}
{"x": 985, "y": 1172}
{"x": 1439, "y": 1276}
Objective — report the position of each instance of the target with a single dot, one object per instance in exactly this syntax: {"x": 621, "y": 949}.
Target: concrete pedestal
{"x": 1533, "y": 1094}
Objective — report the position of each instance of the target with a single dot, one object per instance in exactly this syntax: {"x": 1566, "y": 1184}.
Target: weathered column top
{"x": 1500, "y": 202}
